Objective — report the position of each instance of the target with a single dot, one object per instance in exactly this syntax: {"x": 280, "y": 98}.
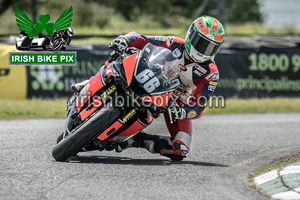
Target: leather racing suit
{"x": 198, "y": 82}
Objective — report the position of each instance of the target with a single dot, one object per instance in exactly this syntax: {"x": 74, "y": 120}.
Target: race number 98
{"x": 146, "y": 77}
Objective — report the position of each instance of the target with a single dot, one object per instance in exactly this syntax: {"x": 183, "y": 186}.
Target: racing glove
{"x": 120, "y": 44}
{"x": 176, "y": 112}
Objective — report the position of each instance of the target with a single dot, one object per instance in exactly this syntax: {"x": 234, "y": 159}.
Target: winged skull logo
{"x": 25, "y": 24}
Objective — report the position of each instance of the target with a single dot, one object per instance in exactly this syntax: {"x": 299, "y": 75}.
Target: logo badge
{"x": 198, "y": 73}
{"x": 51, "y": 36}
{"x": 43, "y": 35}
{"x": 211, "y": 88}
{"x": 201, "y": 69}
{"x": 213, "y": 76}
{"x": 192, "y": 114}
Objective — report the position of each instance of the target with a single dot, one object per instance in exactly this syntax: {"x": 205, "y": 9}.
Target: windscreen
{"x": 157, "y": 67}
{"x": 163, "y": 61}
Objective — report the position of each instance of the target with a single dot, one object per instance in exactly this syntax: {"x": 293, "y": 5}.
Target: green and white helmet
{"x": 204, "y": 38}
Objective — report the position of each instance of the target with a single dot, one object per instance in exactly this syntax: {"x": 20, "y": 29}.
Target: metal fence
{"x": 279, "y": 14}
{"x": 274, "y": 15}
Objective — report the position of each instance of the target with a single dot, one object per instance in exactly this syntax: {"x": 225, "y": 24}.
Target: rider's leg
{"x": 143, "y": 140}
{"x": 180, "y": 132}
{"x": 175, "y": 147}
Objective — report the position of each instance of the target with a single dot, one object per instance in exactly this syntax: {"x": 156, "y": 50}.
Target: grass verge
{"x": 38, "y": 108}
{"x": 29, "y": 109}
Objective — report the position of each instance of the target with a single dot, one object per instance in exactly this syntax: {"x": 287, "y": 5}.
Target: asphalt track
{"x": 225, "y": 150}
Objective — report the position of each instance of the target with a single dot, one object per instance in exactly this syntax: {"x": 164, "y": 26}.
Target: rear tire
{"x": 73, "y": 143}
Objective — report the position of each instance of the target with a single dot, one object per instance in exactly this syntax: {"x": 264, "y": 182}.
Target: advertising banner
{"x": 267, "y": 72}
{"x": 244, "y": 73}
{"x": 56, "y": 80}
{"x": 13, "y": 79}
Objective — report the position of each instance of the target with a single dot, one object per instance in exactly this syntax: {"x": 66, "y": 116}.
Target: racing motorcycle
{"x": 122, "y": 99}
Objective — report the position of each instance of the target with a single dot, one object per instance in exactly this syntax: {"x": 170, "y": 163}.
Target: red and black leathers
{"x": 198, "y": 82}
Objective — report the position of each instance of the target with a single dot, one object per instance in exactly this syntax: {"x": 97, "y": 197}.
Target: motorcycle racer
{"x": 199, "y": 78}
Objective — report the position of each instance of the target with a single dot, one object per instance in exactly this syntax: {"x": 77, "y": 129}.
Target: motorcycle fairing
{"x": 89, "y": 90}
{"x": 110, "y": 130}
{"x": 129, "y": 64}
{"x": 148, "y": 72}
{"x": 91, "y": 108}
{"x": 133, "y": 129}
{"x": 158, "y": 100}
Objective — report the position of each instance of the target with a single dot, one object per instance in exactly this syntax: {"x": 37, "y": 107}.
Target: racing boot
{"x": 175, "y": 150}
{"x": 140, "y": 140}
{"x": 179, "y": 148}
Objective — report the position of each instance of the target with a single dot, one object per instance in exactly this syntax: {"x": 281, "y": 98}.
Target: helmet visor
{"x": 202, "y": 44}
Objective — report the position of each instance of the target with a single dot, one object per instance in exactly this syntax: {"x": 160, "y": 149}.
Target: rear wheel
{"x": 73, "y": 143}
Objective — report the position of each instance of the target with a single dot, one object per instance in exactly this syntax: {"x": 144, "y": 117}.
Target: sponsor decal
{"x": 213, "y": 76}
{"x": 184, "y": 86}
{"x": 213, "y": 83}
{"x": 183, "y": 68}
{"x": 129, "y": 115}
{"x": 201, "y": 24}
{"x": 160, "y": 38}
{"x": 192, "y": 114}
{"x": 211, "y": 88}
{"x": 212, "y": 33}
{"x": 198, "y": 73}
{"x": 209, "y": 37}
{"x": 176, "y": 53}
{"x": 201, "y": 69}
{"x": 108, "y": 91}
{"x": 170, "y": 40}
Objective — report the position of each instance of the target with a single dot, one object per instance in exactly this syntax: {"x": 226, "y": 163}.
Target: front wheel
{"x": 73, "y": 143}
{"x": 59, "y": 138}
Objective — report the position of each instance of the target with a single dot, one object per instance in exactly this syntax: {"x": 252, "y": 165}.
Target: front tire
{"x": 59, "y": 138}
{"x": 73, "y": 143}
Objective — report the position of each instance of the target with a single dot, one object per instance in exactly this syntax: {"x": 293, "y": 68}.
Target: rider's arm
{"x": 205, "y": 88}
{"x": 139, "y": 41}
